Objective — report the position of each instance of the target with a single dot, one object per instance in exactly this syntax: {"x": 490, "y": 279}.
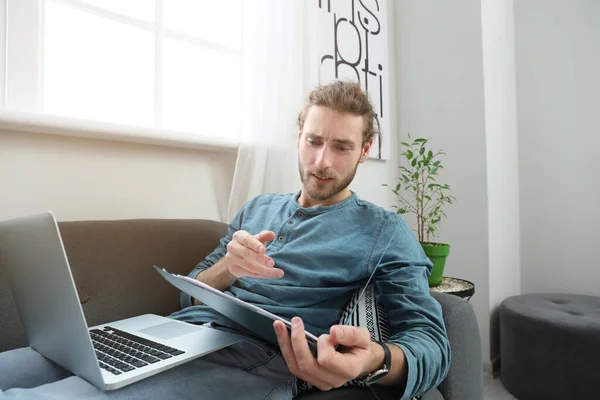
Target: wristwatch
{"x": 383, "y": 371}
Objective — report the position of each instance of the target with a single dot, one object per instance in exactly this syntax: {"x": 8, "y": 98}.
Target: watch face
{"x": 377, "y": 375}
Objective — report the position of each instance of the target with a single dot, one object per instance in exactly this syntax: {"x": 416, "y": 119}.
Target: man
{"x": 301, "y": 256}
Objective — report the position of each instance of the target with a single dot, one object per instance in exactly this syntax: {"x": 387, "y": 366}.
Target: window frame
{"x": 22, "y": 74}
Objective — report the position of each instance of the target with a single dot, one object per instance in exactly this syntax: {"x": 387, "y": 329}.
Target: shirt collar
{"x": 294, "y": 206}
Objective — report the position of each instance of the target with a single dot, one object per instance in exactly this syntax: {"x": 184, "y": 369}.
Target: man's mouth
{"x": 320, "y": 179}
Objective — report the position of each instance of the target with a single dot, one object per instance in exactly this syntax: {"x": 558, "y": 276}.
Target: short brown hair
{"x": 344, "y": 97}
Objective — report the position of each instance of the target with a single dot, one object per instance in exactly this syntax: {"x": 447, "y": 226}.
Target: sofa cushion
{"x": 432, "y": 395}
{"x": 11, "y": 333}
{"x": 111, "y": 263}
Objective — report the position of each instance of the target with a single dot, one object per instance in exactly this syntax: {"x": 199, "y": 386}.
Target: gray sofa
{"x": 111, "y": 262}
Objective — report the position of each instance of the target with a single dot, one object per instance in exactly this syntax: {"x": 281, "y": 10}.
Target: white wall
{"x": 502, "y": 157}
{"x": 373, "y": 173}
{"x": 81, "y": 179}
{"x": 558, "y": 88}
{"x": 441, "y": 96}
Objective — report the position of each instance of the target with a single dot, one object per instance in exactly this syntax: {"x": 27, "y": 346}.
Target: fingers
{"x": 265, "y": 236}
{"x": 285, "y": 345}
{"x": 287, "y": 351}
{"x": 304, "y": 358}
{"x": 239, "y": 272}
{"x": 246, "y": 256}
{"x": 300, "y": 361}
{"x": 252, "y": 242}
{"x": 349, "y": 360}
{"x": 351, "y": 336}
{"x": 240, "y": 266}
{"x": 341, "y": 366}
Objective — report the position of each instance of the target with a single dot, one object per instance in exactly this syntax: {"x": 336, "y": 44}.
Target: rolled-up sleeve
{"x": 415, "y": 317}
{"x": 185, "y": 299}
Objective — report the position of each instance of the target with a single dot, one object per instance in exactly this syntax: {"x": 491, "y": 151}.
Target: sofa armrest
{"x": 465, "y": 377}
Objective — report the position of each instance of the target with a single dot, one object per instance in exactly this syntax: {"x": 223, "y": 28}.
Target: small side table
{"x": 455, "y": 286}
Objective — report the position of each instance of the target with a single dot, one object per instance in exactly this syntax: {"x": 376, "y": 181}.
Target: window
{"x": 168, "y": 64}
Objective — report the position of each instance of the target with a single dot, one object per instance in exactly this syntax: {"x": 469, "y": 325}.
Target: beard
{"x": 320, "y": 192}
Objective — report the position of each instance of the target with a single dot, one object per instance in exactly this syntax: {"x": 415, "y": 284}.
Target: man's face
{"x": 330, "y": 149}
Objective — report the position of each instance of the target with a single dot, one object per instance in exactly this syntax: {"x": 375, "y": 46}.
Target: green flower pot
{"x": 437, "y": 253}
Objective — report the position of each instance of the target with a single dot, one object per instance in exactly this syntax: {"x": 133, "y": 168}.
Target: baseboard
{"x": 487, "y": 368}
{"x": 495, "y": 366}
{"x": 492, "y": 368}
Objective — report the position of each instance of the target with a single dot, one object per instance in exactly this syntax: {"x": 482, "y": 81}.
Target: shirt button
{"x": 290, "y": 222}
{"x": 299, "y": 214}
{"x": 281, "y": 238}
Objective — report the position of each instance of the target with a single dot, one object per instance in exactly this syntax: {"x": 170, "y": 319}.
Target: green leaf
{"x": 401, "y": 211}
{"x": 422, "y": 150}
{"x": 428, "y": 198}
{"x": 430, "y": 154}
{"x": 414, "y": 162}
{"x": 415, "y": 176}
{"x": 397, "y": 187}
{"x": 434, "y": 171}
{"x": 409, "y": 155}
{"x": 421, "y": 140}
{"x": 437, "y": 163}
{"x": 405, "y": 144}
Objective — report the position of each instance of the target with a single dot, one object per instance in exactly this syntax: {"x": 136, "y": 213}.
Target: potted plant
{"x": 420, "y": 194}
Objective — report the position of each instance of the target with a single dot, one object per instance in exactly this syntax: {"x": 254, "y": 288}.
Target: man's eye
{"x": 312, "y": 142}
{"x": 342, "y": 148}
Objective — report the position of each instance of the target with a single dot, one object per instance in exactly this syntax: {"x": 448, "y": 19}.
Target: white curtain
{"x": 274, "y": 84}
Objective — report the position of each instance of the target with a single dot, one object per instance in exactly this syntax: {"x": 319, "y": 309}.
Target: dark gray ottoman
{"x": 550, "y": 346}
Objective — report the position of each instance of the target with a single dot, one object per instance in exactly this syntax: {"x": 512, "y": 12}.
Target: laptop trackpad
{"x": 169, "y": 330}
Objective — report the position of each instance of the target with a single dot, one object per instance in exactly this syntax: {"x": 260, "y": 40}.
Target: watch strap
{"x": 383, "y": 371}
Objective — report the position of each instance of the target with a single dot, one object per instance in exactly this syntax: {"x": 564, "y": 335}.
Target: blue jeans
{"x": 246, "y": 370}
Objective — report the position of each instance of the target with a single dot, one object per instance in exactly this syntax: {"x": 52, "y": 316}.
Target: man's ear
{"x": 365, "y": 151}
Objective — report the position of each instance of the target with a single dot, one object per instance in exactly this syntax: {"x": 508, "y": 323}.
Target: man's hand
{"x": 332, "y": 368}
{"x": 246, "y": 256}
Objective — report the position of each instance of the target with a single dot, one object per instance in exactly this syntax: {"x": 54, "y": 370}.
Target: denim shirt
{"x": 327, "y": 252}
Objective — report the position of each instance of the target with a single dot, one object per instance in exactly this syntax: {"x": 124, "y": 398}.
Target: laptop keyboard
{"x": 119, "y": 351}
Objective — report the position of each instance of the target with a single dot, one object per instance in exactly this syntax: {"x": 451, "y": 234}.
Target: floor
{"x": 493, "y": 389}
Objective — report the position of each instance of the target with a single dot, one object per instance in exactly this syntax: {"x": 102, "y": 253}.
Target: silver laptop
{"x": 108, "y": 356}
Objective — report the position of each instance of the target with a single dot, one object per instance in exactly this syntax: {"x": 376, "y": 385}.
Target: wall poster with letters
{"x": 352, "y": 44}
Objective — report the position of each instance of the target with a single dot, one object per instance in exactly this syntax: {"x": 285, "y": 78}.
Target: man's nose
{"x": 323, "y": 158}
